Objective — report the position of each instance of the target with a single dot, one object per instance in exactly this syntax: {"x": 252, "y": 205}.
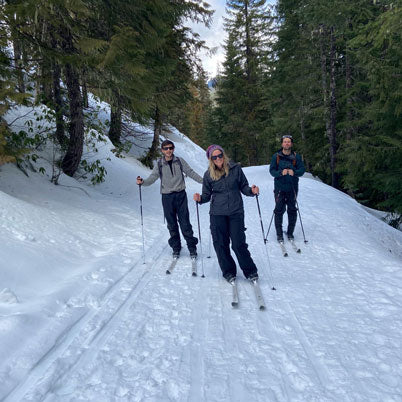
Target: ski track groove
{"x": 336, "y": 379}
{"x": 319, "y": 367}
{"x": 286, "y": 389}
{"x": 349, "y": 281}
{"x": 102, "y": 334}
{"x": 236, "y": 389}
{"x": 199, "y": 335}
{"x": 68, "y": 336}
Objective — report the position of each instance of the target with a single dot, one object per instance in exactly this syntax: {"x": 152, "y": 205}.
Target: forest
{"x": 326, "y": 72}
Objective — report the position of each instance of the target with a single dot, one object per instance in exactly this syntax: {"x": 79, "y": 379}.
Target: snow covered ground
{"x": 82, "y": 318}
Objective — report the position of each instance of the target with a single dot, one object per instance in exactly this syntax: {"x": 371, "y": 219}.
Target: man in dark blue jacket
{"x": 286, "y": 166}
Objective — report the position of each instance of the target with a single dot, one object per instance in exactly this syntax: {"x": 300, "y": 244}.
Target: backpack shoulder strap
{"x": 294, "y": 160}
{"x": 160, "y": 167}
{"x": 180, "y": 164}
{"x": 277, "y": 161}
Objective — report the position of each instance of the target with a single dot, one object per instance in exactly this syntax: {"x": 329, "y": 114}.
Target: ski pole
{"x": 265, "y": 244}
{"x": 298, "y": 210}
{"x": 269, "y": 227}
{"x": 142, "y": 227}
{"x": 209, "y": 246}
{"x": 259, "y": 213}
{"x": 199, "y": 235}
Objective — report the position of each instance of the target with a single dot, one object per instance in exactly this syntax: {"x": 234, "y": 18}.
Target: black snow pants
{"x": 226, "y": 228}
{"x": 285, "y": 200}
{"x": 175, "y": 208}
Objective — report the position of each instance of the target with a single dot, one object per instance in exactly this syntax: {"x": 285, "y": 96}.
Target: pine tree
{"x": 378, "y": 179}
{"x": 332, "y": 69}
{"x": 176, "y": 61}
{"x": 192, "y": 117}
{"x": 11, "y": 86}
{"x": 135, "y": 33}
{"x": 239, "y": 90}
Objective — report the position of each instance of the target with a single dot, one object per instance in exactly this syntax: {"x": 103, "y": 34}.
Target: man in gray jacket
{"x": 170, "y": 170}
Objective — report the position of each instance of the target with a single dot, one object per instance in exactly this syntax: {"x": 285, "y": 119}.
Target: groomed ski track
{"x": 330, "y": 332}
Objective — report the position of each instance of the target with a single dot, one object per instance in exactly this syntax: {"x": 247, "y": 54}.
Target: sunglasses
{"x": 287, "y": 136}
{"x": 215, "y": 157}
{"x": 168, "y": 148}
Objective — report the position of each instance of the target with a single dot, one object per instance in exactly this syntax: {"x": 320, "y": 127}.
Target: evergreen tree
{"x": 377, "y": 177}
{"x": 12, "y": 86}
{"x": 176, "y": 61}
{"x": 135, "y": 32}
{"x": 239, "y": 91}
{"x": 332, "y": 68}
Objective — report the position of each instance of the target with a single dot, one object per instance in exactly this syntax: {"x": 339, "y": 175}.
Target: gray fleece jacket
{"x": 172, "y": 182}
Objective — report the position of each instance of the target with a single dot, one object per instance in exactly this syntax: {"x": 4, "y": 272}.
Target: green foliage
{"x": 95, "y": 169}
{"x": 6, "y": 154}
{"x": 240, "y": 113}
{"x": 368, "y": 92}
{"x": 135, "y": 55}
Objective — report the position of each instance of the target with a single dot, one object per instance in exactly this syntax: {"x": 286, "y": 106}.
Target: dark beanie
{"x": 212, "y": 148}
{"x": 166, "y": 142}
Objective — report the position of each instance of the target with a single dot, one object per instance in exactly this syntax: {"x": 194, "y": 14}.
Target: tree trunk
{"x": 57, "y": 97}
{"x": 45, "y": 77}
{"x": 18, "y": 62}
{"x": 18, "y": 53}
{"x": 153, "y": 152}
{"x": 248, "y": 43}
{"x": 302, "y": 114}
{"x": 332, "y": 105}
{"x": 73, "y": 156}
{"x": 323, "y": 59}
{"x": 329, "y": 100}
{"x": 84, "y": 90}
{"x": 58, "y": 105}
{"x": 115, "y": 122}
{"x": 46, "y": 82}
{"x": 350, "y": 115}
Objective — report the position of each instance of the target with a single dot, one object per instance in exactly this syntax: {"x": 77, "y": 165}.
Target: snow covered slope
{"x": 82, "y": 318}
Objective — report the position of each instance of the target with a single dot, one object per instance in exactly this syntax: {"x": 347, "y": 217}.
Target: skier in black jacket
{"x": 223, "y": 183}
{"x": 286, "y": 166}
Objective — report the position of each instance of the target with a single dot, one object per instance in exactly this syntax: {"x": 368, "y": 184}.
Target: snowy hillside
{"x": 82, "y": 318}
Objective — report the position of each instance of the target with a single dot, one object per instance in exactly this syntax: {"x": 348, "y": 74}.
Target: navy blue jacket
{"x": 286, "y": 183}
{"x": 225, "y": 193}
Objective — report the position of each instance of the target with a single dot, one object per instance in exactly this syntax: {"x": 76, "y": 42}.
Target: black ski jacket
{"x": 225, "y": 193}
{"x": 286, "y": 183}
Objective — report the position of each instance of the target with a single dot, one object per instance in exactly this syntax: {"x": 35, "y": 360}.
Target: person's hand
{"x": 139, "y": 180}
{"x": 291, "y": 172}
{"x": 284, "y": 172}
{"x": 197, "y": 197}
{"x": 255, "y": 189}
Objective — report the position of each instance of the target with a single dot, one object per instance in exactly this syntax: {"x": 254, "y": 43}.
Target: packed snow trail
{"x": 121, "y": 330}
{"x": 180, "y": 339}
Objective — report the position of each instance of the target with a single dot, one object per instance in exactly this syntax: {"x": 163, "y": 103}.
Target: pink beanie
{"x": 212, "y": 148}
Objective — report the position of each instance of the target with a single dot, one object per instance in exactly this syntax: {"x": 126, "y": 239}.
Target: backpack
{"x": 160, "y": 166}
{"x": 278, "y": 158}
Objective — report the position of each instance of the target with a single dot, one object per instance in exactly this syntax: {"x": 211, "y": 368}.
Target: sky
{"x": 214, "y": 37}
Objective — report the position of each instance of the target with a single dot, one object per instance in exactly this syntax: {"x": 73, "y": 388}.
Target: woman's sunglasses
{"x": 168, "y": 148}
{"x": 215, "y": 157}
